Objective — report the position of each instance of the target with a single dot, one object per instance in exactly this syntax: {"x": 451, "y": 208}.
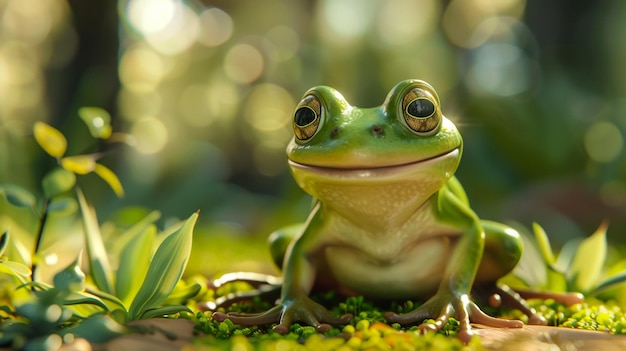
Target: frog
{"x": 389, "y": 219}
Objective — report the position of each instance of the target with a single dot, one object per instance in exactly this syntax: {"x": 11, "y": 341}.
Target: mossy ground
{"x": 368, "y": 330}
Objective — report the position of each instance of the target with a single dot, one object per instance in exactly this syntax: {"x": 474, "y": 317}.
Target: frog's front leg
{"x": 295, "y": 305}
{"x": 452, "y": 298}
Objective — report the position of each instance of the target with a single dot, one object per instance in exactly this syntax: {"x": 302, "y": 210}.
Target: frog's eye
{"x": 421, "y": 112}
{"x": 306, "y": 119}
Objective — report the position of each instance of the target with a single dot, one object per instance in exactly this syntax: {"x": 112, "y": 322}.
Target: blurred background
{"x": 206, "y": 90}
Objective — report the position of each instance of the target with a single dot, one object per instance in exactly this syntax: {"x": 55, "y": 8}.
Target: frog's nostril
{"x": 334, "y": 133}
{"x": 377, "y": 130}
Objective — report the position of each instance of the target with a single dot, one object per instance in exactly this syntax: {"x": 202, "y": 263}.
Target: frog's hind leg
{"x": 503, "y": 249}
{"x": 265, "y": 286}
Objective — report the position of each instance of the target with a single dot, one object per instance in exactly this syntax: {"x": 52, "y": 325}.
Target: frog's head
{"x": 405, "y": 143}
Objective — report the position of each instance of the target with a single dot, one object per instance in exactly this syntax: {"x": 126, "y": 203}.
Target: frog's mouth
{"x": 378, "y": 172}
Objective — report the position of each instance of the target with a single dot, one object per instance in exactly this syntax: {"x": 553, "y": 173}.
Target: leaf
{"x": 610, "y": 282}
{"x": 530, "y": 269}
{"x": 165, "y": 270}
{"x": 97, "y": 120}
{"x": 18, "y": 252}
{"x": 18, "y": 196}
{"x": 544, "y": 244}
{"x": 71, "y": 278}
{"x": 57, "y": 182}
{"x": 132, "y": 268}
{"x": 99, "y": 266}
{"x": 15, "y": 268}
{"x": 566, "y": 255}
{"x": 63, "y": 206}
{"x": 589, "y": 259}
{"x": 184, "y": 293}
{"x": 4, "y": 240}
{"x": 81, "y": 164}
{"x": 79, "y": 298}
{"x": 107, "y": 297}
{"x": 163, "y": 311}
{"x": 50, "y": 139}
{"x": 110, "y": 178}
{"x": 98, "y": 328}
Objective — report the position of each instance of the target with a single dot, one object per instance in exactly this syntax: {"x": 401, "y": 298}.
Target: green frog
{"x": 389, "y": 218}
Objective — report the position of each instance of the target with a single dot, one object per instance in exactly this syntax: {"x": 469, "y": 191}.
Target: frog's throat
{"x": 374, "y": 172}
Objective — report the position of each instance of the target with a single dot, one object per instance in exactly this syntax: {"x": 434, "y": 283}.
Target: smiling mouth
{"x": 369, "y": 172}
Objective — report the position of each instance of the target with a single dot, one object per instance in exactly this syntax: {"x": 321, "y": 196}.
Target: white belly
{"x": 414, "y": 272}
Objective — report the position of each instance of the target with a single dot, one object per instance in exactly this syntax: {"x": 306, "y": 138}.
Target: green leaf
{"x": 566, "y": 256}
{"x": 183, "y": 293}
{"x": 14, "y": 268}
{"x": 589, "y": 259}
{"x": 57, "y": 182}
{"x": 63, "y": 206}
{"x": 531, "y": 268}
{"x": 71, "y": 278}
{"x": 544, "y": 244}
{"x": 79, "y": 298}
{"x": 165, "y": 270}
{"x": 163, "y": 311}
{"x": 107, "y": 297}
{"x": 18, "y": 252}
{"x": 110, "y": 178}
{"x": 132, "y": 268}
{"x": 99, "y": 266}
{"x": 4, "y": 240}
{"x": 610, "y": 282}
{"x": 80, "y": 164}
{"x": 98, "y": 328}
{"x": 97, "y": 120}
{"x": 50, "y": 139}
{"x": 18, "y": 196}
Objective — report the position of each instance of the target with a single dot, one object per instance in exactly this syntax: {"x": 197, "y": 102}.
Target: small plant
{"x": 579, "y": 266}
{"x": 145, "y": 283}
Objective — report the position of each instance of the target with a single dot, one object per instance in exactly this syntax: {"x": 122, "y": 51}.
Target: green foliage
{"x": 144, "y": 282}
{"x": 16, "y": 269}
{"x": 579, "y": 266}
{"x": 53, "y": 142}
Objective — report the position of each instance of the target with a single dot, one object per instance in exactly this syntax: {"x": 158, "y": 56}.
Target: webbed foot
{"x": 442, "y": 307}
{"x": 303, "y": 310}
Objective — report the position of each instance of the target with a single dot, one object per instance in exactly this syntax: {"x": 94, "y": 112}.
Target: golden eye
{"x": 306, "y": 119}
{"x": 421, "y": 112}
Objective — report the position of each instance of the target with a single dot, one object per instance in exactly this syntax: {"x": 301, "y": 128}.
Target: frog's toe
{"x": 407, "y": 318}
{"x": 480, "y": 317}
{"x": 271, "y": 316}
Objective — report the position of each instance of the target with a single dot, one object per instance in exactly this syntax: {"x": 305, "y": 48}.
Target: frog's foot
{"x": 568, "y": 299}
{"x": 265, "y": 286}
{"x": 442, "y": 308}
{"x": 304, "y": 310}
{"x": 502, "y": 295}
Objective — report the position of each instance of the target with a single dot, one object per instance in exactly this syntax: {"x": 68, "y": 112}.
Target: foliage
{"x": 579, "y": 267}
{"x": 144, "y": 283}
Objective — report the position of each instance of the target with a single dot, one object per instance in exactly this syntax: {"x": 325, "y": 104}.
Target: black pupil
{"x": 421, "y": 108}
{"x": 304, "y": 116}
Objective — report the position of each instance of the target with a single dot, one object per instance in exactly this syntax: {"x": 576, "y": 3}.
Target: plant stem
{"x": 39, "y": 235}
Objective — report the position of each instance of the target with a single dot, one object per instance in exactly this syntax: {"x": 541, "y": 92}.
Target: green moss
{"x": 369, "y": 330}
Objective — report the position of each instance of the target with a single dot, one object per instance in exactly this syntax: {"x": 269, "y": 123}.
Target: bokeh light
{"x": 603, "y": 141}
{"x": 216, "y": 27}
{"x": 243, "y": 63}
{"x": 534, "y": 104}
